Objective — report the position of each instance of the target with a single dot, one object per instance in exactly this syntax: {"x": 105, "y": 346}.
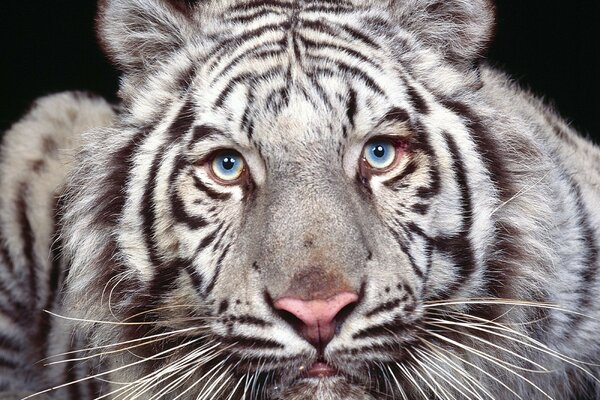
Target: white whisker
{"x": 502, "y": 364}
{"x": 432, "y": 346}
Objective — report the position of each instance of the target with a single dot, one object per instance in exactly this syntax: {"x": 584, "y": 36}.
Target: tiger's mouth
{"x": 321, "y": 369}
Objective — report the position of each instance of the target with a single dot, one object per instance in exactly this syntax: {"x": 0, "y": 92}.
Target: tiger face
{"x": 287, "y": 190}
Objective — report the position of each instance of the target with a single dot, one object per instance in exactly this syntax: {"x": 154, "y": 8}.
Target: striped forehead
{"x": 297, "y": 69}
{"x": 304, "y": 60}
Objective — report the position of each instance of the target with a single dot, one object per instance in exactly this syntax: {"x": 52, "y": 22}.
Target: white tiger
{"x": 299, "y": 199}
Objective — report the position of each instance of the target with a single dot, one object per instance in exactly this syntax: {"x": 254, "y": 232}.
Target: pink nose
{"x": 317, "y": 317}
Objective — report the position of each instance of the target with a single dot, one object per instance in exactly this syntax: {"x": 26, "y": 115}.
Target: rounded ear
{"x": 137, "y": 33}
{"x": 460, "y": 29}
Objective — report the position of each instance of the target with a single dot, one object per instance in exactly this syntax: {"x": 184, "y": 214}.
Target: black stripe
{"x": 309, "y": 43}
{"x": 329, "y": 8}
{"x": 213, "y": 194}
{"x": 387, "y": 306}
{"x": 351, "y": 107}
{"x": 246, "y": 76}
{"x": 184, "y": 120}
{"x": 10, "y": 343}
{"x": 320, "y": 91}
{"x": 208, "y": 239}
{"x": 395, "y": 115}
{"x": 491, "y": 152}
{"x": 181, "y": 216}
{"x": 417, "y": 100}
{"x": 202, "y": 132}
{"x": 9, "y": 364}
{"x": 353, "y": 71}
{"x": 253, "y": 15}
{"x": 184, "y": 80}
{"x": 196, "y": 278}
{"x": 27, "y": 238}
{"x": 589, "y": 275}
{"x": 387, "y": 329}
{"x": 147, "y": 207}
{"x": 111, "y": 201}
{"x": 260, "y": 51}
{"x": 5, "y": 255}
{"x": 410, "y": 168}
{"x": 213, "y": 281}
{"x": 249, "y": 5}
{"x": 250, "y": 320}
{"x": 225, "y": 46}
{"x": 420, "y": 208}
{"x": 334, "y": 31}
{"x": 459, "y": 245}
{"x": 252, "y": 343}
{"x": 406, "y": 251}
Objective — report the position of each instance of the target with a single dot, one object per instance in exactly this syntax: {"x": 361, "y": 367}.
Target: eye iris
{"x": 379, "y": 154}
{"x": 228, "y": 166}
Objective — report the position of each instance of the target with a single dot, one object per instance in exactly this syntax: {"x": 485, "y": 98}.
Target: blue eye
{"x": 228, "y": 165}
{"x": 379, "y": 154}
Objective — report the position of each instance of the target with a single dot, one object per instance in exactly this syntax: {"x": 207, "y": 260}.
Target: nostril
{"x": 291, "y": 319}
{"x": 316, "y": 320}
{"x": 343, "y": 314}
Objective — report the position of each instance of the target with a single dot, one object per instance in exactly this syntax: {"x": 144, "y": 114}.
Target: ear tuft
{"x": 460, "y": 29}
{"x": 137, "y": 33}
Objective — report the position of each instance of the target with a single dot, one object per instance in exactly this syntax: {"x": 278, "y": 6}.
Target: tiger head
{"x": 286, "y": 193}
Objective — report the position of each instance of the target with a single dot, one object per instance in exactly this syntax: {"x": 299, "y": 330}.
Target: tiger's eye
{"x": 379, "y": 154}
{"x": 227, "y": 166}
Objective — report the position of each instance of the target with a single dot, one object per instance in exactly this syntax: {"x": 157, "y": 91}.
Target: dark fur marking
{"x": 395, "y": 115}
{"x": 27, "y": 237}
{"x": 184, "y": 120}
{"x": 459, "y": 245}
{"x": 490, "y": 151}
{"x": 387, "y": 306}
{"x": 213, "y": 194}
{"x": 111, "y": 200}
{"x": 178, "y": 210}
{"x": 224, "y": 306}
{"x": 417, "y": 100}
{"x": 309, "y": 43}
{"x": 420, "y": 208}
{"x": 405, "y": 250}
{"x": 147, "y": 207}
{"x": 213, "y": 281}
{"x": 254, "y": 343}
{"x": 589, "y": 275}
{"x": 334, "y": 31}
{"x": 245, "y": 76}
{"x": 355, "y": 72}
{"x": 382, "y": 330}
{"x": 195, "y": 277}
{"x": 250, "y": 320}
{"x": 410, "y": 168}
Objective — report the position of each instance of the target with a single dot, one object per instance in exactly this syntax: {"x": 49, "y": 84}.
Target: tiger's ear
{"x": 460, "y": 29}
{"x": 137, "y": 33}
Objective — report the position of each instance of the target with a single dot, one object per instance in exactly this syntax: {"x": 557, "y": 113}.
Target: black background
{"x": 550, "y": 46}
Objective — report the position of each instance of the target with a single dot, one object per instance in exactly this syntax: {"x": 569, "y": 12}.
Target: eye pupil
{"x": 228, "y": 163}
{"x": 379, "y": 151}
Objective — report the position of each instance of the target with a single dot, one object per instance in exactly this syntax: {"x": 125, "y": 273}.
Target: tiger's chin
{"x": 320, "y": 388}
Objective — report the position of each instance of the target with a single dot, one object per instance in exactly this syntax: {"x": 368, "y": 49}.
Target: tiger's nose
{"x": 317, "y": 320}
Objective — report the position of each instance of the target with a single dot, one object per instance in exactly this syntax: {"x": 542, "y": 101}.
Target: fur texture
{"x": 473, "y": 257}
